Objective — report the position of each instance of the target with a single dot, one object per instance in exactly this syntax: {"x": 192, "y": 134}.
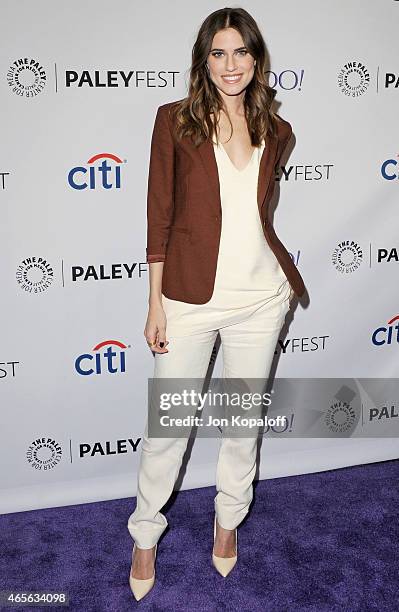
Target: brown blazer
{"x": 184, "y": 214}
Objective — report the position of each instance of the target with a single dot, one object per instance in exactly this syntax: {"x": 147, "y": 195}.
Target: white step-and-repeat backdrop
{"x": 80, "y": 84}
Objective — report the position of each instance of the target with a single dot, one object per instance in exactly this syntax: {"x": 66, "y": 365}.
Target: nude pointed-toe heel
{"x": 140, "y": 587}
{"x": 224, "y": 565}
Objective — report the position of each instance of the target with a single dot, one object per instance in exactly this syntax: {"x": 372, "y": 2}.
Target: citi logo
{"x": 108, "y": 356}
{"x": 102, "y": 171}
{"x": 389, "y": 170}
{"x": 386, "y": 334}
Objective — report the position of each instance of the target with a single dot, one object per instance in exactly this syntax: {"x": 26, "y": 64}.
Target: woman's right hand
{"x": 155, "y": 328}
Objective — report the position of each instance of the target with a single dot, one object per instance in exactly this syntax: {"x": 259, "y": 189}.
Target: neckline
{"x": 233, "y": 165}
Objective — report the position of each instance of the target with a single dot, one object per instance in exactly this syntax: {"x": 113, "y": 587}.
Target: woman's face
{"x": 231, "y": 67}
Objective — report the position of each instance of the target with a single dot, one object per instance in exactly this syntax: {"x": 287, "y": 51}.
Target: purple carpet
{"x": 317, "y": 542}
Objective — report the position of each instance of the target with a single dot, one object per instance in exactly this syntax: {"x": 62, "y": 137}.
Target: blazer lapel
{"x": 266, "y": 168}
{"x": 207, "y": 155}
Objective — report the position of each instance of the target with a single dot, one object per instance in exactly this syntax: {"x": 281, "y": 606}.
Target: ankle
{"x": 144, "y": 552}
{"x": 143, "y": 563}
{"x": 221, "y": 531}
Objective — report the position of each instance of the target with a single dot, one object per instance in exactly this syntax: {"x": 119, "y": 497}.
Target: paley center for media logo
{"x": 328, "y": 407}
{"x": 353, "y": 79}
{"x": 107, "y": 357}
{"x": 347, "y": 256}
{"x": 44, "y": 454}
{"x": 26, "y": 77}
{"x": 35, "y": 274}
{"x": 102, "y": 171}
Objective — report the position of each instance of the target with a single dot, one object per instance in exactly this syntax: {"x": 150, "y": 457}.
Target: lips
{"x": 232, "y": 79}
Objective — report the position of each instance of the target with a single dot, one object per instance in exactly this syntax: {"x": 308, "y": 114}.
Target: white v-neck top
{"x": 248, "y": 274}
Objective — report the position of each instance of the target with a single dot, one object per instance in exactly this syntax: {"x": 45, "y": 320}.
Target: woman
{"x": 212, "y": 158}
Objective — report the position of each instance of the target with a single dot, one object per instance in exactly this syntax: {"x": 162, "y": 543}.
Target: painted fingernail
{"x": 161, "y": 344}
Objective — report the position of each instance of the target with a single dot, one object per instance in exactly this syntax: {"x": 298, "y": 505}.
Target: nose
{"x": 230, "y": 63}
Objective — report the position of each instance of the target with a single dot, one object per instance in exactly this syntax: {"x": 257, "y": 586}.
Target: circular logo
{"x": 340, "y": 417}
{"x": 44, "y": 454}
{"x": 347, "y": 256}
{"x": 35, "y": 275}
{"x": 26, "y": 77}
{"x": 353, "y": 79}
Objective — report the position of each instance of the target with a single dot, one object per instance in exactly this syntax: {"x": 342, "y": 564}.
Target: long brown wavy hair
{"x": 192, "y": 115}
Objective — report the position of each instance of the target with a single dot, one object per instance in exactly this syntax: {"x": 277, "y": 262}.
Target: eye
{"x": 242, "y": 52}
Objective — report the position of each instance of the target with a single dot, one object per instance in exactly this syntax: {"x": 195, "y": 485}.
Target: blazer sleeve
{"x": 160, "y": 191}
{"x": 283, "y": 141}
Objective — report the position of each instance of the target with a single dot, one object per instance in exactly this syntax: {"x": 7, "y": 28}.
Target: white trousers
{"x": 248, "y": 349}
